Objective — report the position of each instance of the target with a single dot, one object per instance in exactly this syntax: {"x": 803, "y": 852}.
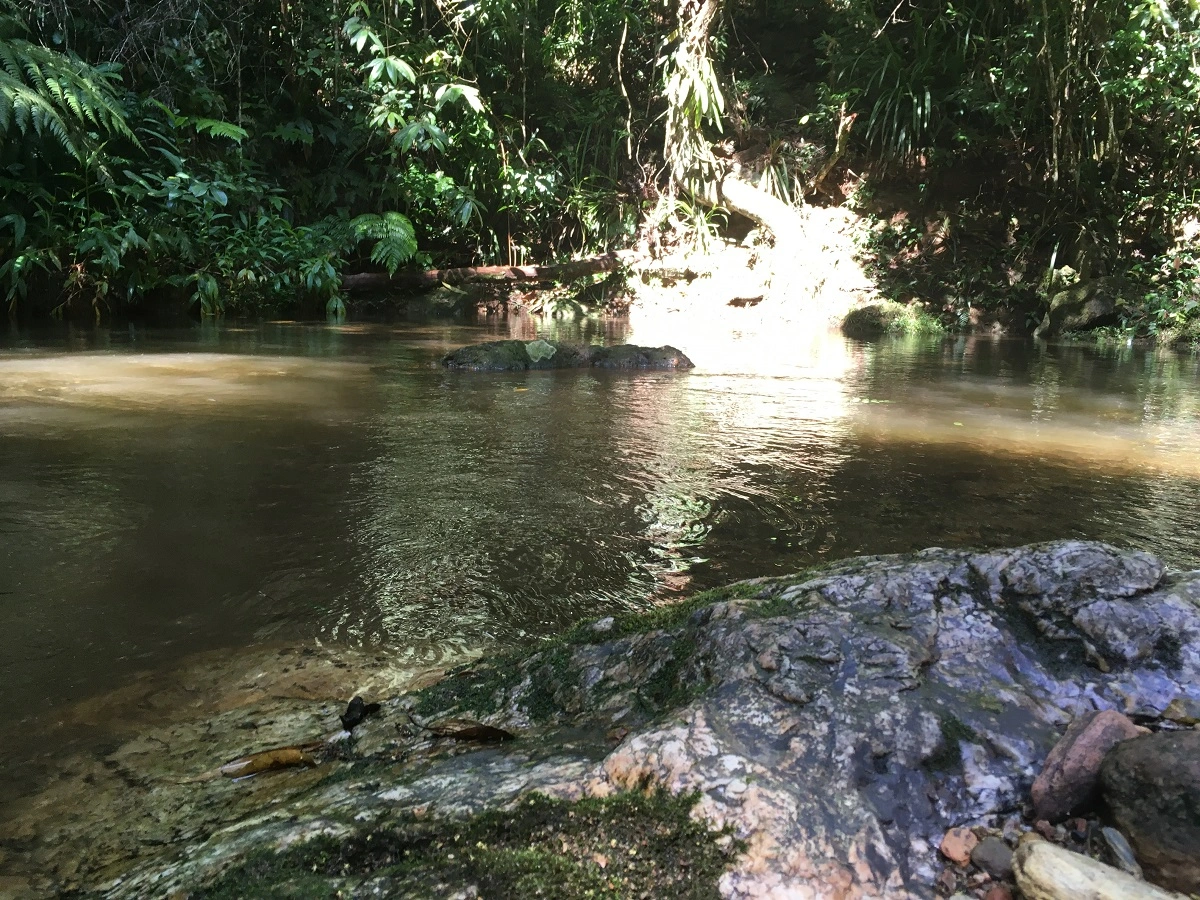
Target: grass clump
{"x": 625, "y": 846}
{"x": 889, "y": 317}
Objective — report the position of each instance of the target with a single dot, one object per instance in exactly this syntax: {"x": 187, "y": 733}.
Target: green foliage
{"x": 395, "y": 240}
{"x": 50, "y": 95}
{"x": 242, "y": 156}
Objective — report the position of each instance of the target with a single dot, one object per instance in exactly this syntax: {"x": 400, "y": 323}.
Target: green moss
{"x": 625, "y": 846}
{"x": 482, "y": 688}
{"x": 775, "y": 605}
{"x": 476, "y": 687}
{"x": 948, "y": 755}
{"x": 547, "y": 677}
{"x": 666, "y": 617}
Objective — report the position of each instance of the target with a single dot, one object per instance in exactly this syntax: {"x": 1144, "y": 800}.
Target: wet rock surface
{"x": 502, "y": 356}
{"x": 1152, "y": 788}
{"x": 837, "y": 722}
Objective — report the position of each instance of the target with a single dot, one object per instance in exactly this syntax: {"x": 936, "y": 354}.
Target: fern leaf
{"x": 395, "y": 239}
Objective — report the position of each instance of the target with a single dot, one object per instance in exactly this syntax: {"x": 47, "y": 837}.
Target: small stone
{"x": 947, "y": 881}
{"x": 1183, "y": 710}
{"x": 768, "y": 660}
{"x": 1029, "y": 836}
{"x": 1045, "y": 829}
{"x": 994, "y": 856}
{"x": 603, "y": 626}
{"x": 1121, "y": 851}
{"x": 1071, "y": 775}
{"x": 957, "y": 845}
{"x": 998, "y": 892}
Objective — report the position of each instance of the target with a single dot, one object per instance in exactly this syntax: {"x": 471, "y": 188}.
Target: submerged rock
{"x": 837, "y": 722}
{"x": 502, "y": 356}
{"x": 1152, "y": 786}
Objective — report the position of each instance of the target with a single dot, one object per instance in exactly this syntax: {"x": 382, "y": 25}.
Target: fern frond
{"x": 395, "y": 239}
{"x": 43, "y": 91}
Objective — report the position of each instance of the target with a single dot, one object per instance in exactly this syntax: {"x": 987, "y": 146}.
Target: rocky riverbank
{"x": 825, "y": 735}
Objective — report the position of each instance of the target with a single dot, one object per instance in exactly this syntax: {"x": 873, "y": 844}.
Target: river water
{"x": 166, "y": 493}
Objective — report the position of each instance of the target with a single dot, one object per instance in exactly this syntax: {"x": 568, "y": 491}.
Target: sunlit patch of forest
{"x": 245, "y": 157}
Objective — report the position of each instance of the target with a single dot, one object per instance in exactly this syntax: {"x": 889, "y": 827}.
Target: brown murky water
{"x": 166, "y": 494}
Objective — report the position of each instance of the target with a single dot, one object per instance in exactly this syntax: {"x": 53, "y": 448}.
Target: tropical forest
{"x": 460, "y": 449}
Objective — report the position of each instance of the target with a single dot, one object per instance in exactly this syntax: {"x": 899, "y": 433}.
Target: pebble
{"x": 998, "y": 892}
{"x": 1183, "y": 710}
{"x": 994, "y": 856}
{"x": 957, "y": 845}
{"x": 1121, "y": 851}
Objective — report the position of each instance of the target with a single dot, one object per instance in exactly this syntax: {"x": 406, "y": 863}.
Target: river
{"x": 165, "y": 494}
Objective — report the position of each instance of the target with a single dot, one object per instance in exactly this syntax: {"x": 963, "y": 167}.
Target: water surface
{"x": 167, "y": 493}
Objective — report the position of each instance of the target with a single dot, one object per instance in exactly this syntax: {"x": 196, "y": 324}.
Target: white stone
{"x": 1046, "y": 871}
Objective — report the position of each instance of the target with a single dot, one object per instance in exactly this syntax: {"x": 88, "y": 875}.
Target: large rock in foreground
{"x": 504, "y": 356}
{"x": 838, "y": 722}
{"x": 1047, "y": 872}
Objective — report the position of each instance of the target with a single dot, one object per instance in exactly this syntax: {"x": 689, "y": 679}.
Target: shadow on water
{"x": 168, "y": 493}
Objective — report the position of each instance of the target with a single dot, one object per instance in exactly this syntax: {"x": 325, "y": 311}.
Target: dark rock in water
{"x": 839, "y": 721}
{"x": 1088, "y": 304}
{"x": 1152, "y": 787}
{"x": 630, "y": 356}
{"x": 1071, "y": 775}
{"x": 503, "y": 356}
{"x": 357, "y": 710}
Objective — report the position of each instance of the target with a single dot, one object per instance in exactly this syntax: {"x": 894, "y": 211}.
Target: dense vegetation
{"x": 243, "y": 156}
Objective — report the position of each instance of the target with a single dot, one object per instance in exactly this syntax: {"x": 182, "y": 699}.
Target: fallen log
{"x": 431, "y": 278}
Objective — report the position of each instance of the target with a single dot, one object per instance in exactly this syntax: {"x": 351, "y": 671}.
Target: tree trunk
{"x": 431, "y": 278}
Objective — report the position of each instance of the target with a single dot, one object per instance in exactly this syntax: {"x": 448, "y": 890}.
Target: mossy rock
{"x": 1084, "y": 306}
{"x": 630, "y": 845}
{"x": 1182, "y": 337}
{"x": 888, "y": 317}
{"x": 509, "y": 356}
